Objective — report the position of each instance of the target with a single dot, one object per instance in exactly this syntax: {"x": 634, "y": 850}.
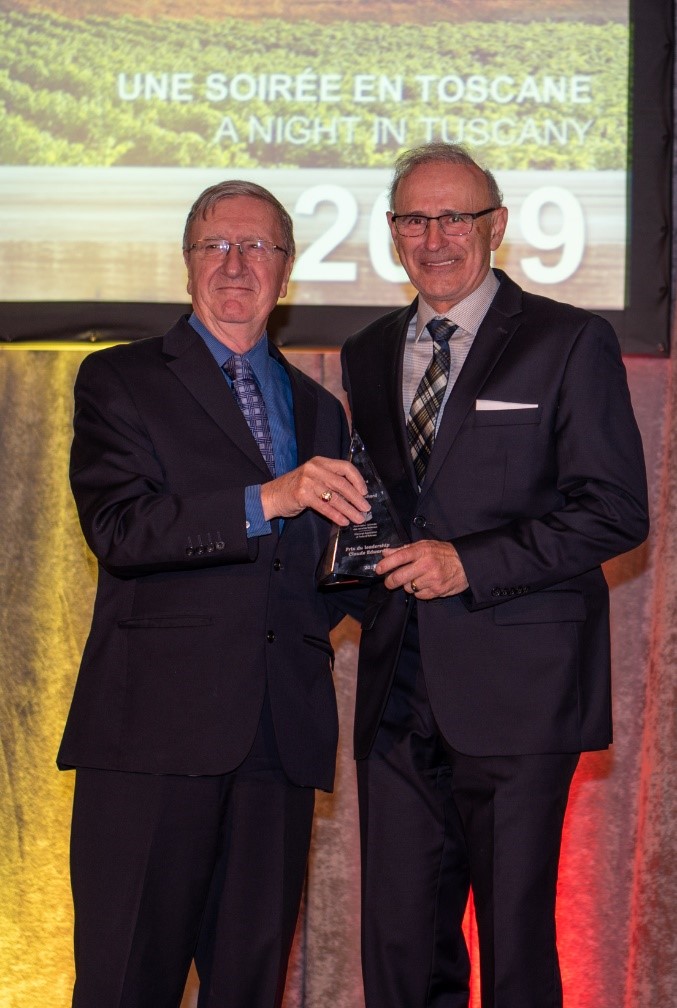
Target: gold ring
{"x": 414, "y": 587}
{"x": 326, "y": 496}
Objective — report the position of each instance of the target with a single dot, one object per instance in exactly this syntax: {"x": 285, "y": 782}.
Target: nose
{"x": 434, "y": 235}
{"x": 233, "y": 261}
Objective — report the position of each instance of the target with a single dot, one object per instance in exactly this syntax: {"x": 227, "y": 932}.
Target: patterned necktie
{"x": 429, "y": 396}
{"x": 250, "y": 401}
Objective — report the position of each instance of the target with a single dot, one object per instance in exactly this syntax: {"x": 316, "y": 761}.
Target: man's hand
{"x": 332, "y": 487}
{"x": 427, "y": 569}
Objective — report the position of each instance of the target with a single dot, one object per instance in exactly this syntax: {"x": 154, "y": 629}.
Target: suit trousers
{"x": 165, "y": 868}
{"x": 435, "y": 823}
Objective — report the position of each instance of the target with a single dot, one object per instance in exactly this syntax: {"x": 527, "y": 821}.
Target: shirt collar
{"x": 258, "y": 356}
{"x": 467, "y": 314}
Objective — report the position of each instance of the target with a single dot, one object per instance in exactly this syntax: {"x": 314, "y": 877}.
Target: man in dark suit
{"x": 207, "y": 472}
{"x": 501, "y": 425}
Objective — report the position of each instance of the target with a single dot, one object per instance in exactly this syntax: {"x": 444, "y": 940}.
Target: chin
{"x": 446, "y": 298}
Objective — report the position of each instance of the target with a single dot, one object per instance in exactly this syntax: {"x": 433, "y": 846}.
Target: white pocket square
{"x": 496, "y": 404}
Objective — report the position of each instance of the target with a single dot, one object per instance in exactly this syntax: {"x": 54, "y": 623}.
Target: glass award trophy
{"x": 354, "y": 550}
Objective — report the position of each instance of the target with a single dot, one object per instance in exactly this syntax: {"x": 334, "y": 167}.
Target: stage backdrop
{"x": 102, "y": 153}
{"x": 618, "y": 865}
{"x": 116, "y": 113}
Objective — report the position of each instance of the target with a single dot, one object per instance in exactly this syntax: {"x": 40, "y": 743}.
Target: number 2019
{"x": 554, "y": 205}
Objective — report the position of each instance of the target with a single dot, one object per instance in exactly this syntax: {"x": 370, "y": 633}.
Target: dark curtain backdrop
{"x": 617, "y": 888}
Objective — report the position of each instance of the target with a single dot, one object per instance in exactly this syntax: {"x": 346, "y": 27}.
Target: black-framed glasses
{"x": 253, "y": 249}
{"x": 452, "y": 223}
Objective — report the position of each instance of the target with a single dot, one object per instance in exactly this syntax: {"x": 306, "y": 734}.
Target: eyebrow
{"x": 214, "y": 237}
{"x": 421, "y": 213}
{"x": 220, "y": 237}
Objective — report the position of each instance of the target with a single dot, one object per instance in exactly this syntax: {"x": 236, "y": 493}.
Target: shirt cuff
{"x": 255, "y": 522}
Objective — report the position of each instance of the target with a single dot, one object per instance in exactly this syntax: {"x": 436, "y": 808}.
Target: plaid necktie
{"x": 429, "y": 396}
{"x": 250, "y": 401}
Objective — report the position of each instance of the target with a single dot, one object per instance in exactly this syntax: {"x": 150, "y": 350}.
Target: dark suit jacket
{"x": 534, "y": 499}
{"x": 191, "y": 618}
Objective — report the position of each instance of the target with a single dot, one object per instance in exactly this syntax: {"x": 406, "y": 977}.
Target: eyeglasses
{"x": 252, "y": 249}
{"x": 452, "y": 223}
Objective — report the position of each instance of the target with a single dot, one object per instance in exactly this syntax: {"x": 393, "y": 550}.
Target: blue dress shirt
{"x": 276, "y": 390}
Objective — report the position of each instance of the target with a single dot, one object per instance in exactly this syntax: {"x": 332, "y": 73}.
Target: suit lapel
{"x": 388, "y": 347}
{"x": 398, "y": 419}
{"x": 192, "y": 363}
{"x": 304, "y": 398}
{"x": 493, "y": 336}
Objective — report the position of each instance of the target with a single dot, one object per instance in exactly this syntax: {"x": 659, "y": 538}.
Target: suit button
{"x": 495, "y": 592}
{"x": 420, "y": 521}
{"x": 200, "y": 550}
{"x": 277, "y": 565}
{"x": 220, "y": 545}
{"x": 189, "y": 550}
{"x": 270, "y": 636}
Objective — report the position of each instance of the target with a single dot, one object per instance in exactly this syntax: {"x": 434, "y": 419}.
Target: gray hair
{"x": 238, "y": 187}
{"x": 444, "y": 152}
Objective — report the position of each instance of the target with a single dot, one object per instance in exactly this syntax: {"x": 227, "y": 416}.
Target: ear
{"x": 285, "y": 277}
{"x": 499, "y": 222}
{"x": 394, "y": 233}
{"x": 189, "y": 285}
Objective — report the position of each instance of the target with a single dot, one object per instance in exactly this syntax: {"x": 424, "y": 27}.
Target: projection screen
{"x": 117, "y": 114}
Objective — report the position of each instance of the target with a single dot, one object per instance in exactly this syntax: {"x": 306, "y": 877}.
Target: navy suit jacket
{"x": 535, "y": 499}
{"x": 192, "y": 618}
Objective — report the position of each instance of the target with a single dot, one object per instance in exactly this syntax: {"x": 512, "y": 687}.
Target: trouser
{"x": 435, "y": 823}
{"x": 167, "y": 867}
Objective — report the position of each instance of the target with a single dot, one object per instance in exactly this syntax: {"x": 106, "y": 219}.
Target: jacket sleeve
{"x": 133, "y": 520}
{"x": 598, "y": 467}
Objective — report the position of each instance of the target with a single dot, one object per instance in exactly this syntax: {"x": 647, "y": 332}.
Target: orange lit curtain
{"x": 617, "y": 887}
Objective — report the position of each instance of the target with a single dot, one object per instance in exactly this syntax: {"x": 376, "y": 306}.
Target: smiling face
{"x": 445, "y": 269}
{"x": 232, "y": 296}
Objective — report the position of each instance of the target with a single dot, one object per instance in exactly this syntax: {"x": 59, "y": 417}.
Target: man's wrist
{"x": 255, "y": 523}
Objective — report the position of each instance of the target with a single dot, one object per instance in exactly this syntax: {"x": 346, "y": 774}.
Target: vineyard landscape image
{"x": 117, "y": 113}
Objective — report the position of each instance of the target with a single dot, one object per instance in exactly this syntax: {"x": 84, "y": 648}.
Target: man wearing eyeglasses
{"x": 501, "y": 425}
{"x": 207, "y": 472}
